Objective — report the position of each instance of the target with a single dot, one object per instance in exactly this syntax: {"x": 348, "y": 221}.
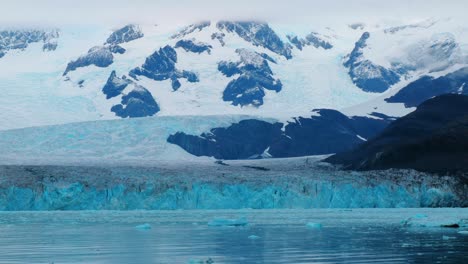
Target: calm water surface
{"x": 346, "y": 236}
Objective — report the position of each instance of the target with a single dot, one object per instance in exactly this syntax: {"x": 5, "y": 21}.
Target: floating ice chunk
{"x": 464, "y": 232}
{"x": 448, "y": 237}
{"x": 314, "y": 225}
{"x": 198, "y": 261}
{"x": 419, "y": 216}
{"x": 253, "y": 237}
{"x": 463, "y": 222}
{"x": 426, "y": 221}
{"x": 143, "y": 227}
{"x": 228, "y": 222}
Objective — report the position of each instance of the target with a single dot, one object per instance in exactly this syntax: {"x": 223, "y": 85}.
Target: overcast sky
{"x": 182, "y": 11}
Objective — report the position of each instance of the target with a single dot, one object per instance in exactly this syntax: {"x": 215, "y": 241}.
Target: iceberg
{"x": 314, "y": 225}
{"x": 228, "y": 222}
{"x": 143, "y": 226}
{"x": 428, "y": 221}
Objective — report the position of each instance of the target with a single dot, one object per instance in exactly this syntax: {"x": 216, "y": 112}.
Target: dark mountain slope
{"x": 434, "y": 138}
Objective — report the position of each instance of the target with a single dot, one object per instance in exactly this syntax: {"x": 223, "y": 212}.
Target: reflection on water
{"x": 347, "y": 236}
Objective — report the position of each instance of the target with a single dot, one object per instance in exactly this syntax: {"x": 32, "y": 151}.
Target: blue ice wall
{"x": 309, "y": 194}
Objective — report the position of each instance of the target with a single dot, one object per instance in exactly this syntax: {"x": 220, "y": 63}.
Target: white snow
{"x": 361, "y": 138}
{"x": 34, "y": 92}
{"x": 141, "y": 140}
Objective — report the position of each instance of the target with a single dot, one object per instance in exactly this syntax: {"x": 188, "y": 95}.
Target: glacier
{"x": 135, "y": 141}
{"x": 128, "y": 164}
{"x": 212, "y": 186}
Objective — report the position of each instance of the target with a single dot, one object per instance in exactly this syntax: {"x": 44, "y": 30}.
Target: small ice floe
{"x": 228, "y": 222}
{"x": 448, "y": 237}
{"x": 314, "y": 225}
{"x": 426, "y": 221}
{"x": 253, "y": 237}
{"x": 143, "y": 227}
{"x": 463, "y": 232}
{"x": 199, "y": 261}
{"x": 420, "y": 216}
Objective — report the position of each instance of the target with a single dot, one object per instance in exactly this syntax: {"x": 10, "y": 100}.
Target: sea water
{"x": 265, "y": 236}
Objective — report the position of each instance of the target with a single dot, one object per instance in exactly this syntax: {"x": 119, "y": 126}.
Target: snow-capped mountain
{"x": 344, "y": 82}
{"x": 215, "y": 67}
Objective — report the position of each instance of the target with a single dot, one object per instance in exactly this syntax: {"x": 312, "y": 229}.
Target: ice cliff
{"x": 296, "y": 183}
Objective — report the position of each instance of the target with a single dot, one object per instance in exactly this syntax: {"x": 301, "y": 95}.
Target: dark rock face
{"x": 327, "y": 133}
{"x": 115, "y": 85}
{"x": 192, "y": 28}
{"x": 125, "y": 34}
{"x": 394, "y": 30}
{"x": 367, "y": 75}
{"x": 160, "y": 66}
{"x": 117, "y": 49}
{"x": 244, "y": 140}
{"x": 259, "y": 34}
{"x": 49, "y": 46}
{"x": 20, "y": 39}
{"x": 138, "y": 103}
{"x": 255, "y": 76}
{"x": 357, "y": 26}
{"x": 432, "y": 139}
{"x": 100, "y": 56}
{"x": 313, "y": 39}
{"x": 330, "y": 132}
{"x": 427, "y": 87}
{"x": 195, "y": 47}
{"x": 219, "y": 37}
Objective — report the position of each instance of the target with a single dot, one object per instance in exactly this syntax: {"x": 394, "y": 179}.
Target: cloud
{"x": 184, "y": 11}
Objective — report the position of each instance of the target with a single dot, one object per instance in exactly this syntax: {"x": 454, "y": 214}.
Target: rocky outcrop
{"x": 115, "y": 85}
{"x": 160, "y": 66}
{"x": 99, "y": 56}
{"x": 138, "y": 103}
{"x": 365, "y": 74}
{"x": 125, "y": 34}
{"x": 431, "y": 139}
{"x": 220, "y": 37}
{"x": 328, "y": 131}
{"x": 313, "y": 39}
{"x": 427, "y": 87}
{"x": 102, "y": 56}
{"x": 254, "y": 77}
{"x": 197, "y": 27}
{"x": 193, "y": 46}
{"x": 259, "y": 34}
{"x": 20, "y": 39}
